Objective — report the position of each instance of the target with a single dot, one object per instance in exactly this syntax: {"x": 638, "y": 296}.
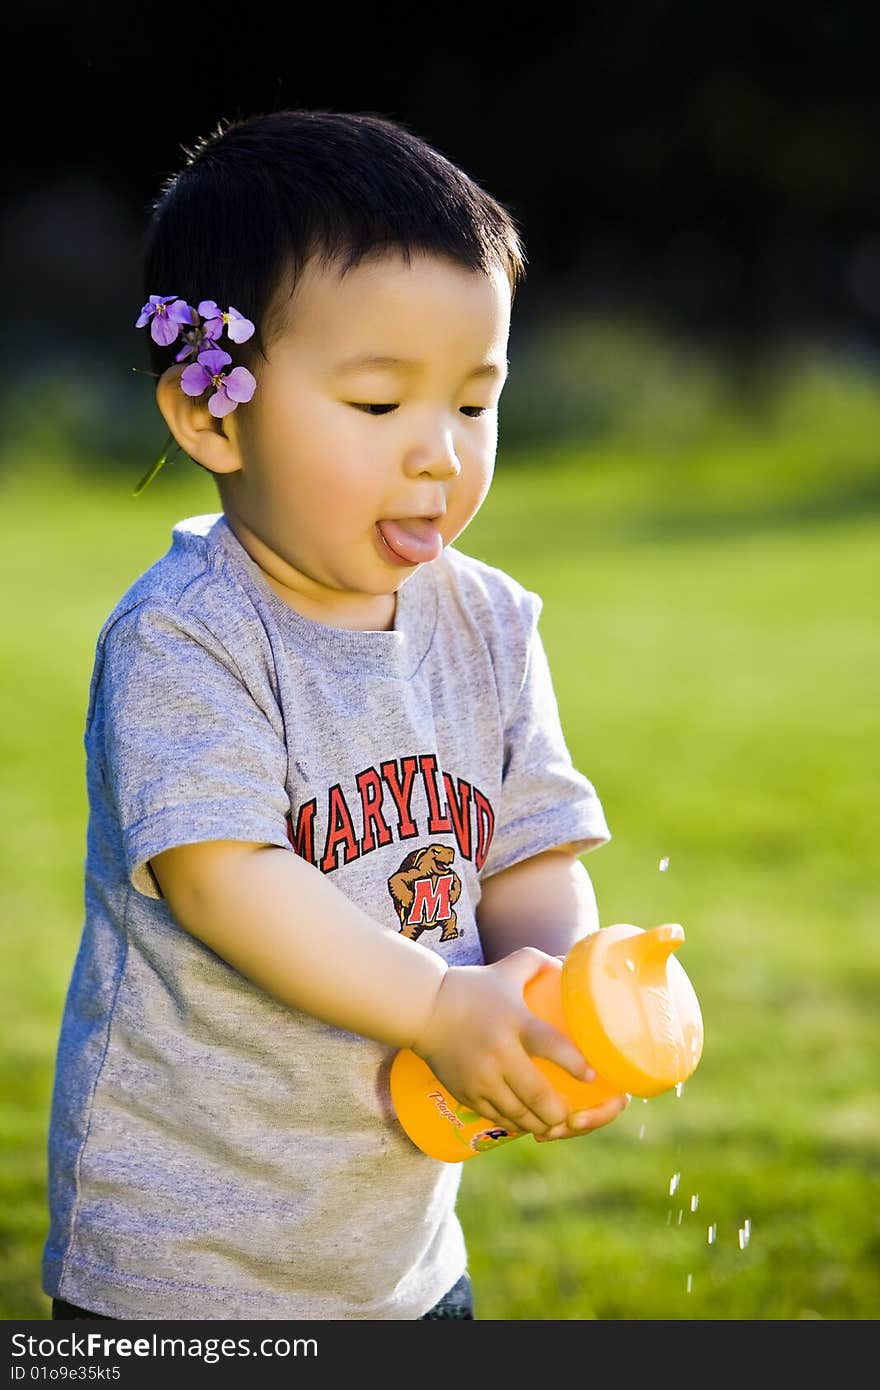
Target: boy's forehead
{"x": 387, "y": 306}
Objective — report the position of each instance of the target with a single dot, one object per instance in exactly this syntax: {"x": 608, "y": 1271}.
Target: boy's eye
{"x": 474, "y": 411}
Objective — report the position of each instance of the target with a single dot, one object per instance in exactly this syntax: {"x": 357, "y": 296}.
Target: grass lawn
{"x": 711, "y": 620}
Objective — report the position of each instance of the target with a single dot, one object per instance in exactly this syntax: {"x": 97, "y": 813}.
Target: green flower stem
{"x": 171, "y": 447}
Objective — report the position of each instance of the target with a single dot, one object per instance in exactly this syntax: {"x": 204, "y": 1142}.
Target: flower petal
{"x": 220, "y": 404}
{"x": 181, "y": 312}
{"x": 145, "y": 315}
{"x": 162, "y": 330}
{"x": 239, "y": 328}
{"x": 213, "y": 315}
{"x": 240, "y": 384}
{"x": 194, "y": 379}
{"x": 215, "y": 359}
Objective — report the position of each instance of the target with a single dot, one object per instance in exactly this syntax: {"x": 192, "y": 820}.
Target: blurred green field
{"x": 710, "y": 612}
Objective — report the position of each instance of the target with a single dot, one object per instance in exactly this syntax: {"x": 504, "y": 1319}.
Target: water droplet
{"x": 673, "y": 1182}
{"x": 690, "y": 1282}
{"x": 680, "y": 1215}
{"x": 695, "y": 1201}
{"x": 663, "y": 865}
{"x": 745, "y": 1233}
{"x": 711, "y": 1234}
{"x": 679, "y": 1089}
{"x": 641, "y": 1131}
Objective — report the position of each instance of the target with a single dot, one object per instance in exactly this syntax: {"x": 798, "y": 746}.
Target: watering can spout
{"x": 647, "y": 953}
{"x": 671, "y": 932}
{"x": 631, "y": 1008}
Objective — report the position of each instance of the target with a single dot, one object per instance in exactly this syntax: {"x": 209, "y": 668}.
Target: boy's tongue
{"x": 415, "y": 539}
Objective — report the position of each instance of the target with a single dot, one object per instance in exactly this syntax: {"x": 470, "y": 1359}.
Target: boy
{"x": 308, "y": 692}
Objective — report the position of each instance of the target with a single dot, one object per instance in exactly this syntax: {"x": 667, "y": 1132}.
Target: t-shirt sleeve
{"x": 545, "y": 800}
{"x": 190, "y": 750}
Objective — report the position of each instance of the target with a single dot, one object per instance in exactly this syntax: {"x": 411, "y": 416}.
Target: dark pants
{"x": 457, "y": 1303}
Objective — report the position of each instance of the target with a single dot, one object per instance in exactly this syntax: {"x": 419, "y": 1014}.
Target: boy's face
{"x": 351, "y": 476}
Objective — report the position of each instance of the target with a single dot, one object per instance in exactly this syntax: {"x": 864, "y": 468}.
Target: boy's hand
{"x": 584, "y": 1121}
{"x": 481, "y": 1036}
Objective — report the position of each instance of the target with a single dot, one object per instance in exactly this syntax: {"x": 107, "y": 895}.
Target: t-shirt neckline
{"x": 397, "y": 651}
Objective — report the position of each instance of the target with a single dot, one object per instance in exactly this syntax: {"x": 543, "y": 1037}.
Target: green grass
{"x": 711, "y": 620}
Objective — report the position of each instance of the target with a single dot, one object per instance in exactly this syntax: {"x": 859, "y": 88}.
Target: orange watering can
{"x": 624, "y": 1000}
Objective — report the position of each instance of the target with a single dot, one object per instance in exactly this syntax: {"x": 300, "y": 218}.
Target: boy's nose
{"x": 439, "y": 462}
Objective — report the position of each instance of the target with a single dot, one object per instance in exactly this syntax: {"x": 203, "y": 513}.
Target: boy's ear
{"x": 199, "y": 433}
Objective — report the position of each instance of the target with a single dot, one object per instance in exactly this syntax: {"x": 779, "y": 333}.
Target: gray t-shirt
{"x": 213, "y": 1153}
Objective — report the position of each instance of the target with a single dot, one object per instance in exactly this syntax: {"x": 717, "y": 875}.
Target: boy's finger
{"x": 543, "y": 1040}
{"x": 537, "y": 1097}
{"x": 522, "y": 965}
{"x": 557, "y": 1132}
{"x": 512, "y": 1113}
{"x": 582, "y": 1121}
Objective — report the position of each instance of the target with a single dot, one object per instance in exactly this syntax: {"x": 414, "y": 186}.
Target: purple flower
{"x": 237, "y": 326}
{"x": 229, "y": 390}
{"x": 199, "y": 375}
{"x": 165, "y": 314}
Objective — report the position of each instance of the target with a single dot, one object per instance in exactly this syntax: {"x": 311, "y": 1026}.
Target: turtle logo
{"x": 424, "y": 890}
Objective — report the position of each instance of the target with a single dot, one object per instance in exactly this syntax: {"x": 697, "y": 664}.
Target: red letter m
{"x": 431, "y": 900}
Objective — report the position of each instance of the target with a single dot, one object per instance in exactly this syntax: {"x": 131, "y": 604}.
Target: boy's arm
{"x": 280, "y": 922}
{"x": 546, "y": 901}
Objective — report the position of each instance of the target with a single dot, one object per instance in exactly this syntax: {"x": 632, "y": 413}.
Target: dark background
{"x": 713, "y": 166}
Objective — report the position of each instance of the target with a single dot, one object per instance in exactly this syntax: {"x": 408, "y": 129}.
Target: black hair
{"x": 261, "y": 196}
